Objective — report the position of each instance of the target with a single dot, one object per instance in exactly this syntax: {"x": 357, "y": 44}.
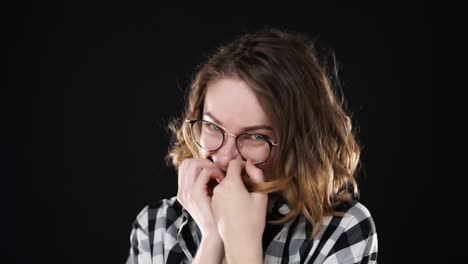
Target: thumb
{"x": 234, "y": 171}
{"x": 254, "y": 173}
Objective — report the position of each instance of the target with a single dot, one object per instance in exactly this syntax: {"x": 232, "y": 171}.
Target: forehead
{"x": 234, "y": 104}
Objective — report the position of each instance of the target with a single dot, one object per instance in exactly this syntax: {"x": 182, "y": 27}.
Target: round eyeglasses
{"x": 211, "y": 137}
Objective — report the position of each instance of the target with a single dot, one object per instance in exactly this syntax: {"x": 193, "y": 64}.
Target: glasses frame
{"x": 236, "y": 137}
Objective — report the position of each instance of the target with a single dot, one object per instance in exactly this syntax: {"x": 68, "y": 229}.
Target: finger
{"x": 187, "y": 175}
{"x": 256, "y": 175}
{"x": 253, "y": 172}
{"x": 191, "y": 172}
{"x": 193, "y": 169}
{"x": 218, "y": 195}
{"x": 214, "y": 202}
{"x": 206, "y": 175}
{"x": 234, "y": 171}
{"x": 216, "y": 173}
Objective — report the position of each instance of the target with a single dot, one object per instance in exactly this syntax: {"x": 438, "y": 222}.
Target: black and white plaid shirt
{"x": 164, "y": 232}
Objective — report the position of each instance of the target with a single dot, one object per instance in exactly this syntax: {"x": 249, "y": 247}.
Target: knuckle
{"x": 183, "y": 164}
{"x": 216, "y": 190}
{"x": 206, "y": 176}
{"x": 209, "y": 171}
{"x": 202, "y": 173}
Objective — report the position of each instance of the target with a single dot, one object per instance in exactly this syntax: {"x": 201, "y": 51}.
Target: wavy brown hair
{"x": 297, "y": 85}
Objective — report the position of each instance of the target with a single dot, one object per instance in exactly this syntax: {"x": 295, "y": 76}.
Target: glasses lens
{"x": 207, "y": 135}
{"x": 253, "y": 147}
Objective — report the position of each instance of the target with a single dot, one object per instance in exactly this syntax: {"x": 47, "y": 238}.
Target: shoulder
{"x": 165, "y": 211}
{"x": 355, "y": 213}
{"x": 156, "y": 222}
{"x": 354, "y": 238}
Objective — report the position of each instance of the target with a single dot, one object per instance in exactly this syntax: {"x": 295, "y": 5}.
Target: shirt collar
{"x": 277, "y": 207}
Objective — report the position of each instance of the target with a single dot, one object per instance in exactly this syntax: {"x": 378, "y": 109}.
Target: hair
{"x": 298, "y": 88}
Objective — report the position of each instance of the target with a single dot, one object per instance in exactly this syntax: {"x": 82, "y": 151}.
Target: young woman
{"x": 266, "y": 158}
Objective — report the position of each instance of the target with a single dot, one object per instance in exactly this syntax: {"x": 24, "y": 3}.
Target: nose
{"x": 226, "y": 153}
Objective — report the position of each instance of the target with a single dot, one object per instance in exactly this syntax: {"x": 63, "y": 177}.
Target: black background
{"x": 90, "y": 88}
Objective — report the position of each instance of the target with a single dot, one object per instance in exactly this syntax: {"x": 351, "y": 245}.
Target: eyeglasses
{"x": 211, "y": 137}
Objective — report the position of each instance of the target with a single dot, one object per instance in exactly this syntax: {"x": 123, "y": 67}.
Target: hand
{"x": 240, "y": 215}
{"x": 194, "y": 193}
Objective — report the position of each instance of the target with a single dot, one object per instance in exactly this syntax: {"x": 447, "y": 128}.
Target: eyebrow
{"x": 249, "y": 128}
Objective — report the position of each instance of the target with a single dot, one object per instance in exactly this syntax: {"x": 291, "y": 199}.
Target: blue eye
{"x": 259, "y": 137}
{"x": 256, "y": 137}
{"x": 213, "y": 127}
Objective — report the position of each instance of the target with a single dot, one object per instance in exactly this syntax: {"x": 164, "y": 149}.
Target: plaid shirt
{"x": 164, "y": 232}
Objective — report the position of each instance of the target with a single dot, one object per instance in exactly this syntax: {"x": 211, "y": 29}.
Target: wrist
{"x": 212, "y": 241}
{"x": 211, "y": 250}
{"x": 250, "y": 251}
{"x": 211, "y": 234}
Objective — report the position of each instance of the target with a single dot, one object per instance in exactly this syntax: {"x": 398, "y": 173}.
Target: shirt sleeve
{"x": 139, "y": 240}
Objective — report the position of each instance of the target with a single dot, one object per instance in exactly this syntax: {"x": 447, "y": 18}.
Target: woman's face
{"x": 230, "y": 103}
